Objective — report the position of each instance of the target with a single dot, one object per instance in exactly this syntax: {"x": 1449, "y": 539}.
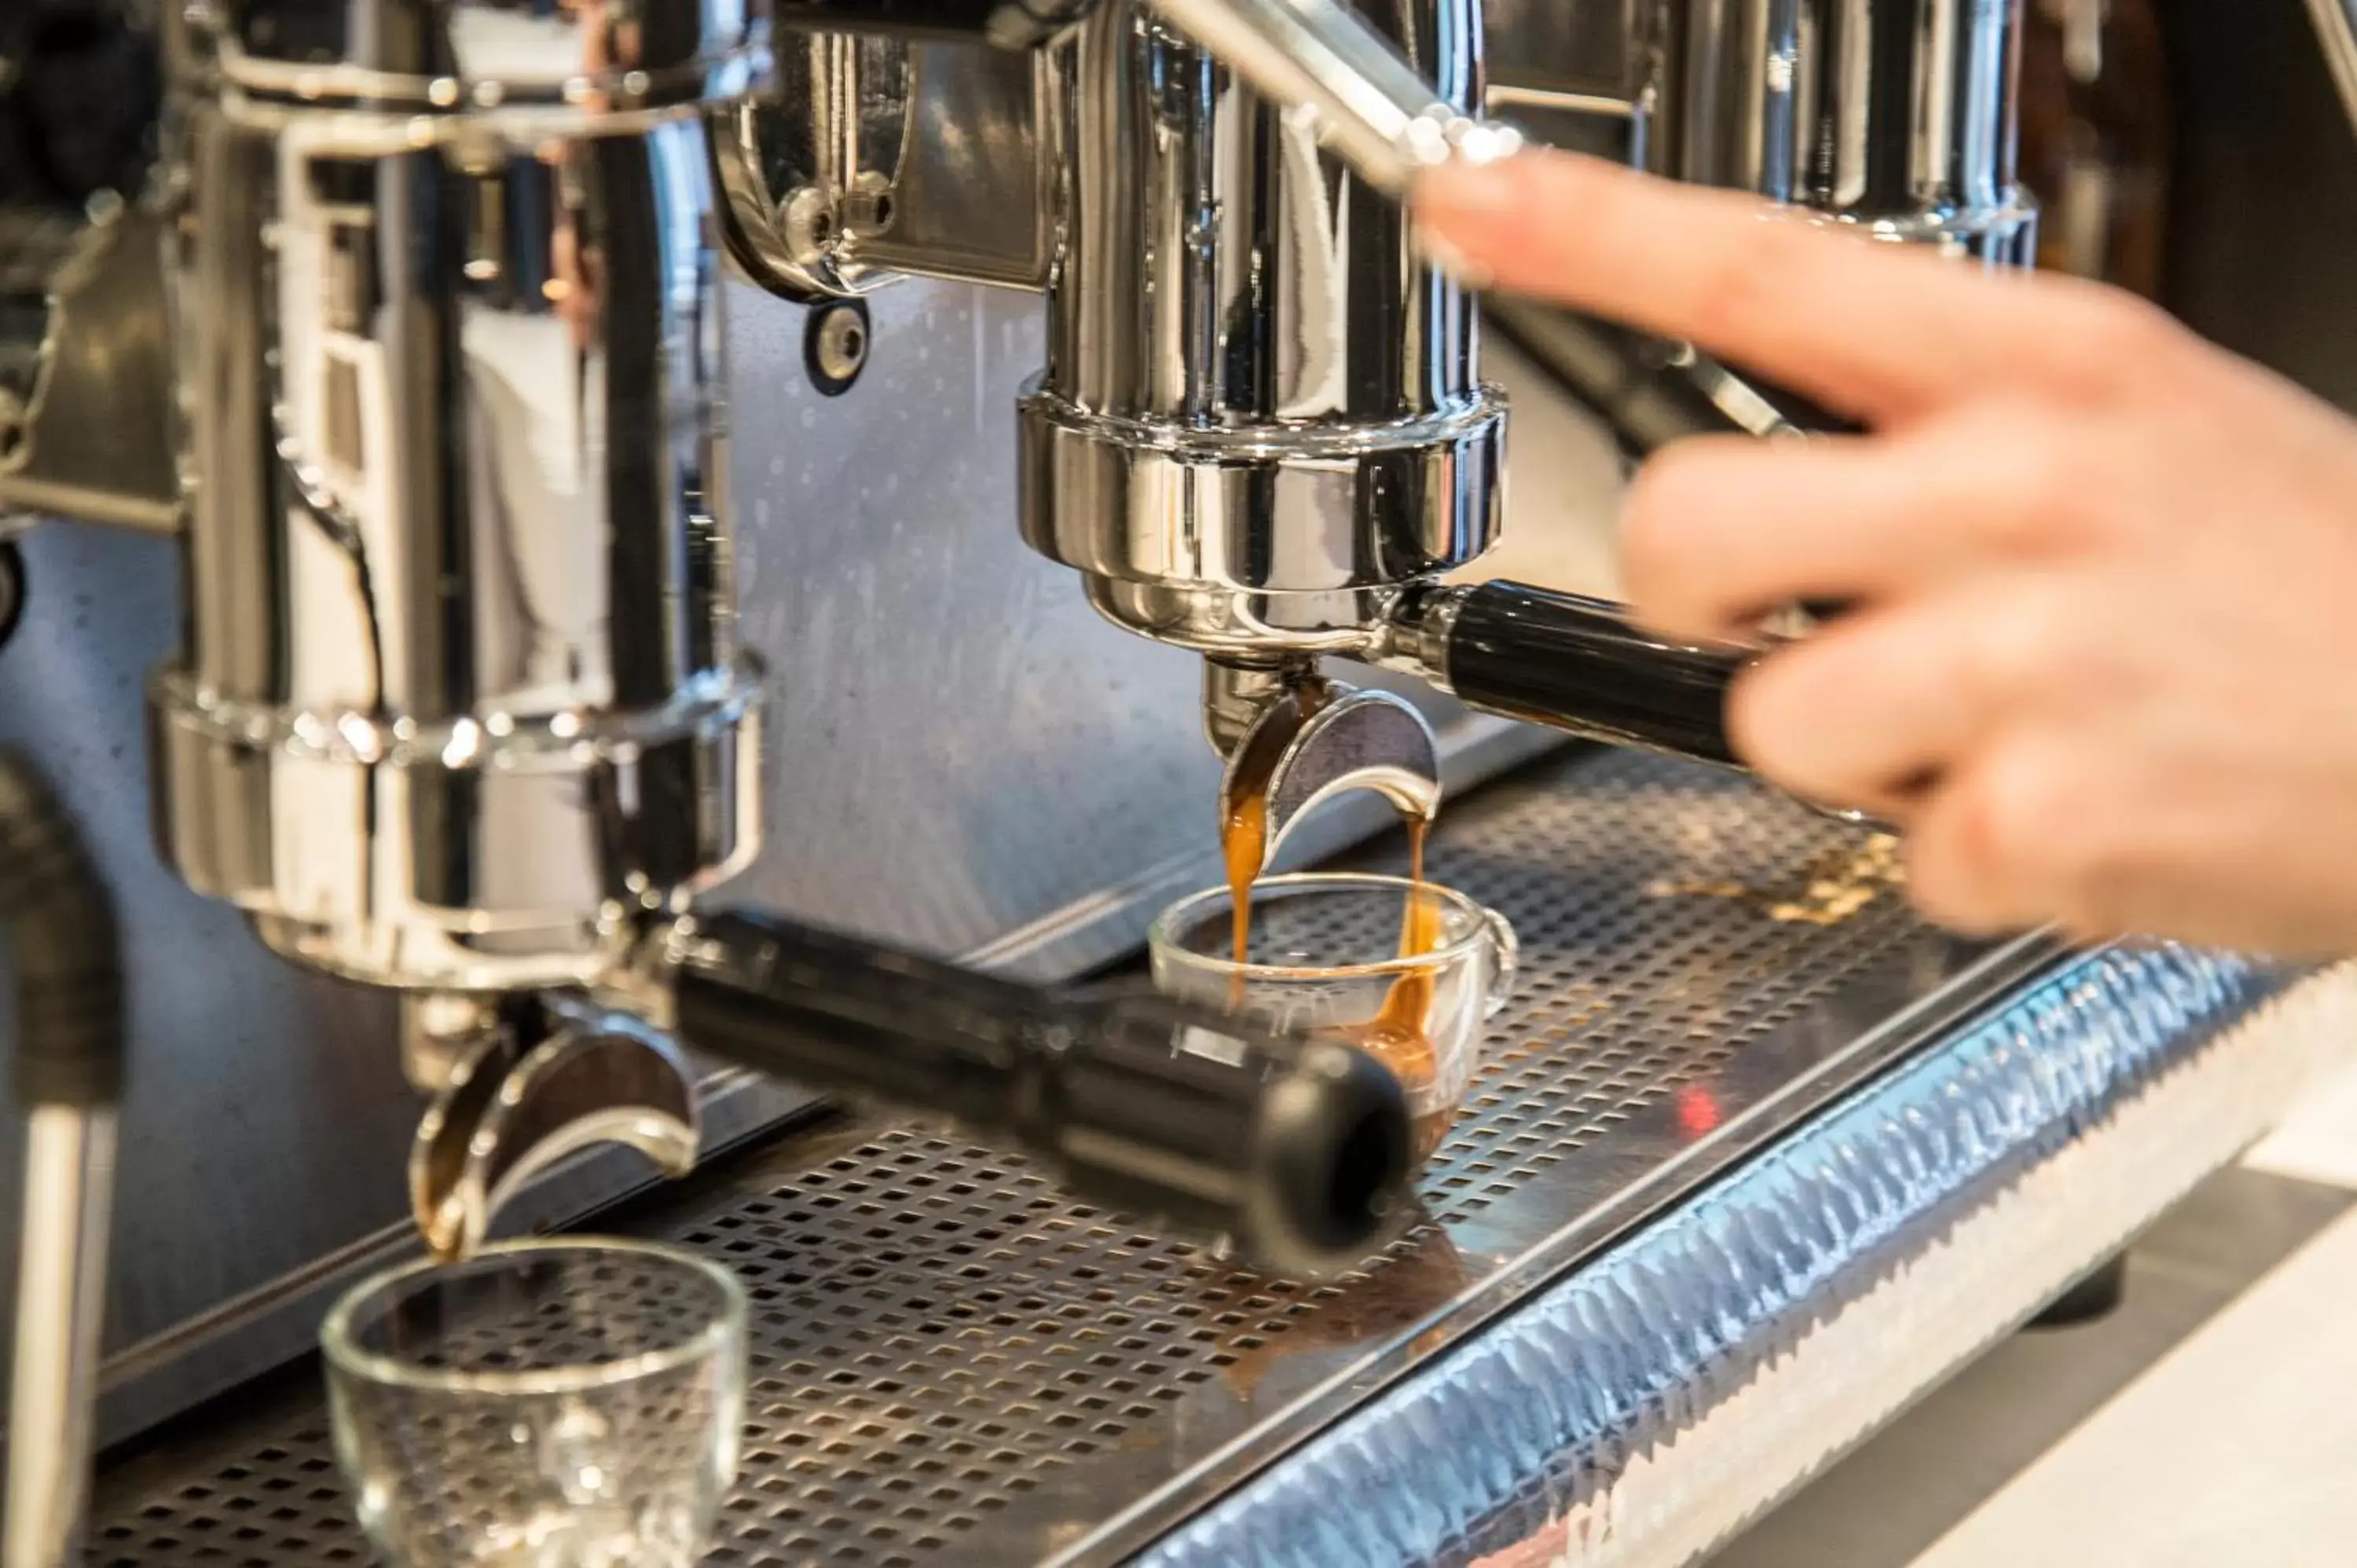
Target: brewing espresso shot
{"x": 1404, "y": 969}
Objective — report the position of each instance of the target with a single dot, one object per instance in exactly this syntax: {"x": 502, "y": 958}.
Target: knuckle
{"x": 2129, "y": 323}
{"x": 2059, "y": 480}
{"x": 2030, "y": 837}
{"x": 2009, "y": 651}
{"x": 2042, "y": 473}
{"x": 1774, "y": 720}
{"x": 1757, "y": 274}
{"x": 1943, "y": 894}
{"x": 1651, "y": 541}
{"x": 2118, "y": 342}
{"x": 1815, "y": 718}
{"x": 2025, "y": 796}
{"x": 1665, "y": 528}
{"x": 1976, "y": 854}
{"x": 1650, "y": 556}
{"x": 1756, "y": 704}
{"x": 1946, "y": 879}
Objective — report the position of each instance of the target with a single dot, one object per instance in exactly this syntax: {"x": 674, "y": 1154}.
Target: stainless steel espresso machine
{"x": 605, "y": 685}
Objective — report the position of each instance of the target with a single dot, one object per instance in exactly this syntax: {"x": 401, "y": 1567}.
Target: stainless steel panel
{"x": 953, "y": 1361}
{"x": 1581, "y": 48}
{"x": 969, "y": 194}
{"x": 933, "y": 687}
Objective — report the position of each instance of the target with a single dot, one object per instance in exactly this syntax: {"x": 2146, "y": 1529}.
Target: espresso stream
{"x": 1398, "y": 1035}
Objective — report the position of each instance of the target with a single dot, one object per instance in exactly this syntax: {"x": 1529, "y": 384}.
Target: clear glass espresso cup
{"x": 1333, "y": 954}
{"x": 564, "y": 1402}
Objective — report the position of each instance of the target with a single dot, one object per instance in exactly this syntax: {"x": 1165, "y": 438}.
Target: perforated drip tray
{"x": 953, "y": 1363}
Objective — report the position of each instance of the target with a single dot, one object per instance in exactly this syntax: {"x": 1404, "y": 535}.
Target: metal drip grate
{"x": 1646, "y": 902}
{"x": 952, "y": 1362}
{"x": 934, "y": 1327}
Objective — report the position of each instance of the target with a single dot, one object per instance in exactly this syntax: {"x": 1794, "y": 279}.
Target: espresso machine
{"x": 1262, "y": 434}
{"x": 466, "y": 352}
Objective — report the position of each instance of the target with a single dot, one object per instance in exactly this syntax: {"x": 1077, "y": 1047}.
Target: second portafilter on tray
{"x": 1286, "y": 1153}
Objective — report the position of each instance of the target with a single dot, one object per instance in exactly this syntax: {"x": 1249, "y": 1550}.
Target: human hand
{"x": 2101, "y": 667}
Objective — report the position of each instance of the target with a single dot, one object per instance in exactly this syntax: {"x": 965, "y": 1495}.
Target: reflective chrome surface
{"x": 1391, "y": 106}
{"x": 970, "y": 196}
{"x": 269, "y": 1094}
{"x": 879, "y": 156}
{"x": 1898, "y": 116}
{"x": 1897, "y": 120}
{"x": 521, "y": 55}
{"x": 808, "y": 172}
{"x": 1259, "y": 402}
{"x": 461, "y": 686}
{"x": 84, "y": 372}
{"x": 270, "y": 1110}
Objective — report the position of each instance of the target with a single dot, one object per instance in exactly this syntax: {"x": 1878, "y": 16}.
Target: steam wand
{"x": 70, "y": 1068}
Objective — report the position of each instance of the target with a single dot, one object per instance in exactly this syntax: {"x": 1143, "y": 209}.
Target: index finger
{"x": 1879, "y": 331}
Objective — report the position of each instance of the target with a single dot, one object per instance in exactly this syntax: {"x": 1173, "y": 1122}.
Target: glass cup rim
{"x": 342, "y": 1349}
{"x": 1162, "y": 937}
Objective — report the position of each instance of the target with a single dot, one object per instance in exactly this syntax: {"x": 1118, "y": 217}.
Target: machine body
{"x": 462, "y": 709}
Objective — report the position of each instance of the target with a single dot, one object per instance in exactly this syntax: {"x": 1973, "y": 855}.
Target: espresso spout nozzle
{"x": 532, "y": 1085}
{"x": 1320, "y": 740}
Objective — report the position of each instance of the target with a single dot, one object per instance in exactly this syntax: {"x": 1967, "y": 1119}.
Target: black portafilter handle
{"x": 1573, "y": 663}
{"x": 1292, "y": 1152}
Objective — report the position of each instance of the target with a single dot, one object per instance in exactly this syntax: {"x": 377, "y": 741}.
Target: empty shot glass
{"x": 1355, "y": 958}
{"x": 565, "y": 1402}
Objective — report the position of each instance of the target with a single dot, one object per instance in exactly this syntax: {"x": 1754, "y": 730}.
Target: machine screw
{"x": 809, "y": 224}
{"x": 834, "y": 345}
